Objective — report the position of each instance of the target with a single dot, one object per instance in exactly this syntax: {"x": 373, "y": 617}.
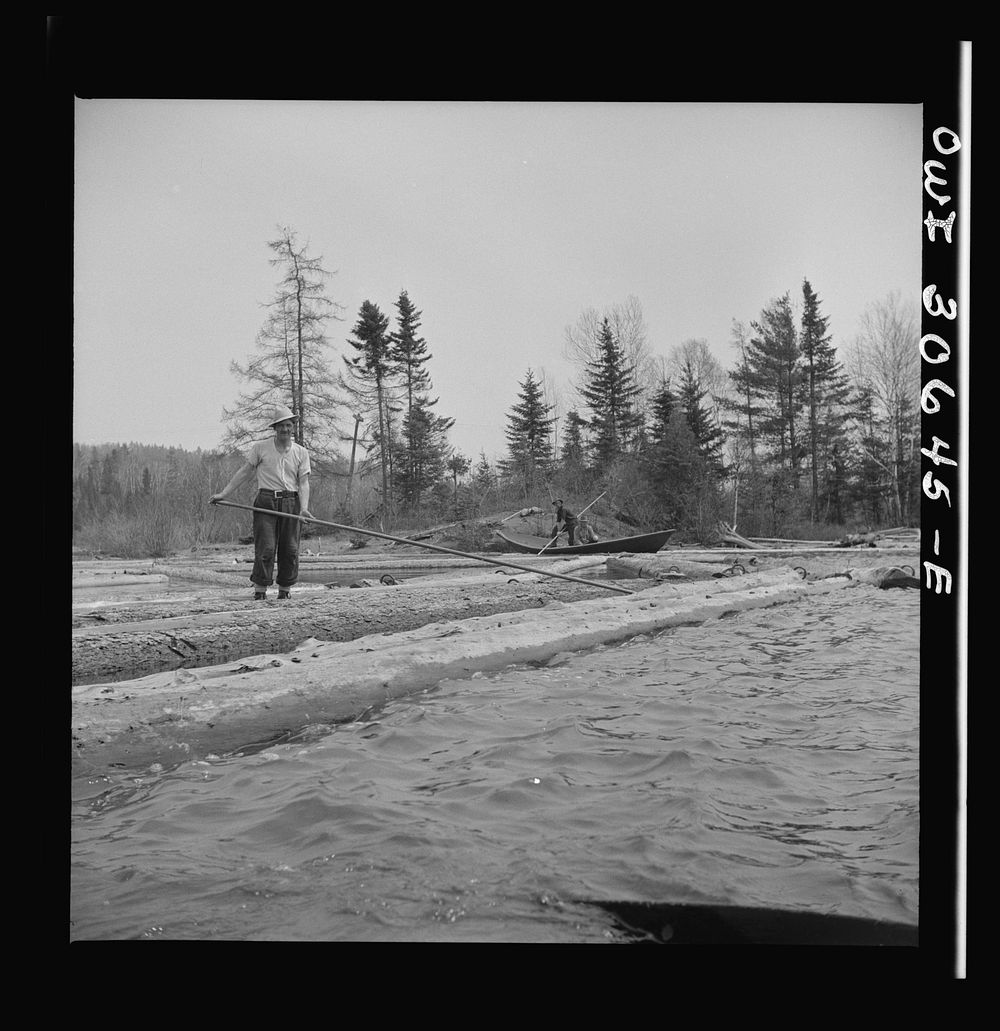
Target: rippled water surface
{"x": 768, "y": 759}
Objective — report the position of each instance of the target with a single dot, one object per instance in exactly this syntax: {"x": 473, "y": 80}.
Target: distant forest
{"x": 796, "y": 438}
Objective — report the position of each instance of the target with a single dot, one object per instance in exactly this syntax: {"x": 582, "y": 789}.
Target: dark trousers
{"x": 275, "y": 538}
{"x": 570, "y": 529}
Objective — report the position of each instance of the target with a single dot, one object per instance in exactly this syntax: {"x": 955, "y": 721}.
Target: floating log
{"x": 184, "y": 714}
{"x": 234, "y": 575}
{"x": 469, "y": 577}
{"x": 854, "y": 540}
{"x": 382, "y": 560}
{"x": 728, "y": 535}
{"x": 97, "y": 574}
{"x": 156, "y": 637}
{"x": 88, "y": 580}
{"x": 111, "y": 565}
{"x": 729, "y": 554}
{"x": 660, "y": 566}
{"x": 364, "y": 560}
{"x": 788, "y": 540}
{"x": 886, "y": 577}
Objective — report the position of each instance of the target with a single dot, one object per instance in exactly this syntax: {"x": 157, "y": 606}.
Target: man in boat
{"x": 568, "y": 520}
{"x": 282, "y": 470}
{"x": 585, "y": 532}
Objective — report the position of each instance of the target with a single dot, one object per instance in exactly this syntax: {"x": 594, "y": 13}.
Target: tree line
{"x": 790, "y": 440}
{"x": 795, "y": 436}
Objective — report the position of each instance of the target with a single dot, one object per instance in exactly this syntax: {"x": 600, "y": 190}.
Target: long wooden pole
{"x": 591, "y": 505}
{"x": 430, "y": 547}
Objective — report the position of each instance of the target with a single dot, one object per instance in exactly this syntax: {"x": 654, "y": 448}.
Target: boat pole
{"x": 591, "y": 505}
{"x": 430, "y": 547}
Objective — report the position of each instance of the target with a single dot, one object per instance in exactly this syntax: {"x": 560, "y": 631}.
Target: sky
{"x": 504, "y": 222}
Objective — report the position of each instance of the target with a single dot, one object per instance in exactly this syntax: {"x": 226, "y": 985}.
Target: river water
{"x": 769, "y": 759}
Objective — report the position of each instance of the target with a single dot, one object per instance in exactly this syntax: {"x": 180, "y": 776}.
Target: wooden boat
{"x": 643, "y": 543}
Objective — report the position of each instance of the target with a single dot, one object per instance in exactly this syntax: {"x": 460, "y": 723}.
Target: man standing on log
{"x": 282, "y": 469}
{"x": 567, "y": 518}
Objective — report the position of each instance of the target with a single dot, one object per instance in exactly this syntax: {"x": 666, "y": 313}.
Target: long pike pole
{"x": 591, "y": 505}
{"x": 430, "y": 547}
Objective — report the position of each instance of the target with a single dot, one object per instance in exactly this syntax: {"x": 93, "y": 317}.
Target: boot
{"x": 282, "y": 595}
{"x": 260, "y": 595}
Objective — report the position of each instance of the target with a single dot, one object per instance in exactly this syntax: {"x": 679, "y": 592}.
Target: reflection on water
{"x": 767, "y": 760}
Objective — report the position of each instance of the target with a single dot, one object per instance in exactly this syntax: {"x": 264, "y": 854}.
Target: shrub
{"x": 151, "y": 530}
{"x": 475, "y": 537}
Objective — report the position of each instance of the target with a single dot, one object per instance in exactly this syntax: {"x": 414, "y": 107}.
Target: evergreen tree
{"x": 612, "y": 394}
{"x": 483, "y": 478}
{"x": 529, "y": 432}
{"x": 110, "y": 467}
{"x": 707, "y": 435}
{"x": 174, "y": 480}
{"x": 825, "y": 389}
{"x": 837, "y": 483}
{"x": 371, "y": 377}
{"x": 425, "y": 448}
{"x": 867, "y": 484}
{"x": 573, "y": 451}
{"x": 410, "y": 350}
{"x": 574, "y": 475}
{"x": 746, "y": 411}
{"x": 410, "y": 355}
{"x": 676, "y": 473}
{"x": 89, "y": 492}
{"x": 772, "y": 377}
{"x": 662, "y": 405}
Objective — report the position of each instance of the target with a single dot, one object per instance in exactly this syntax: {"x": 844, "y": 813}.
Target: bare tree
{"x": 290, "y": 365}
{"x": 551, "y": 397}
{"x": 585, "y": 345}
{"x": 885, "y": 361}
{"x": 628, "y": 326}
{"x": 695, "y": 357}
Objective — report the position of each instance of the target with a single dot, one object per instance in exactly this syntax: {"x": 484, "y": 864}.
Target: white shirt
{"x": 277, "y": 470}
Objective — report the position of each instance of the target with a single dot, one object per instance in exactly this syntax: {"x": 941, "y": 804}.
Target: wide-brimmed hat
{"x": 280, "y": 414}
{"x": 558, "y": 501}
